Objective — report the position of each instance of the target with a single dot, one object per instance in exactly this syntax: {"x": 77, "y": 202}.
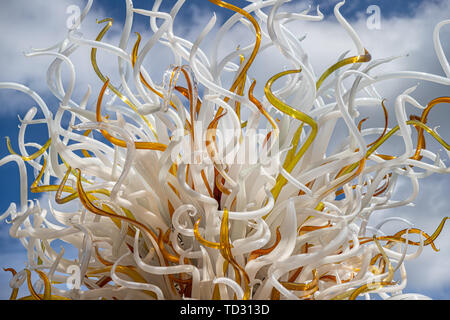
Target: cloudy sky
{"x": 406, "y": 27}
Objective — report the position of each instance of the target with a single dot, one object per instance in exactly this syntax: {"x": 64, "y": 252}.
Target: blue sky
{"x": 406, "y": 27}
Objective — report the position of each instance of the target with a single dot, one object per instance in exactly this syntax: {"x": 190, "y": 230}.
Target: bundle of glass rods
{"x": 193, "y": 189}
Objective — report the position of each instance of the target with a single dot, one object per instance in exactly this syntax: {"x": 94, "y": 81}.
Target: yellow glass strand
{"x": 252, "y": 57}
{"x": 283, "y": 107}
{"x": 103, "y": 78}
{"x": 138, "y": 145}
{"x": 391, "y": 133}
{"x": 206, "y": 243}
{"x": 15, "y": 291}
{"x": 34, "y": 155}
{"x": 225, "y": 251}
{"x": 356, "y": 59}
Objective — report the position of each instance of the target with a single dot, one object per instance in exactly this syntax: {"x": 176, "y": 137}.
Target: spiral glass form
{"x": 182, "y": 197}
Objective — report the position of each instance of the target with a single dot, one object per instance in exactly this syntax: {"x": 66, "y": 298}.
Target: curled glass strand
{"x": 366, "y": 288}
{"x": 200, "y": 239}
{"x": 15, "y": 291}
{"x": 261, "y": 108}
{"x": 386, "y": 121}
{"x": 283, "y": 107}
{"x": 31, "y": 288}
{"x": 250, "y": 60}
{"x": 260, "y": 252}
{"x": 104, "y": 79}
{"x": 34, "y": 155}
{"x": 416, "y": 123}
{"x": 301, "y": 286}
{"x": 423, "y": 119}
{"x": 129, "y": 271}
{"x": 47, "y": 285}
{"x": 188, "y": 93}
{"x": 121, "y": 143}
{"x": 225, "y": 251}
{"x": 87, "y": 203}
{"x": 351, "y": 60}
{"x": 429, "y": 240}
